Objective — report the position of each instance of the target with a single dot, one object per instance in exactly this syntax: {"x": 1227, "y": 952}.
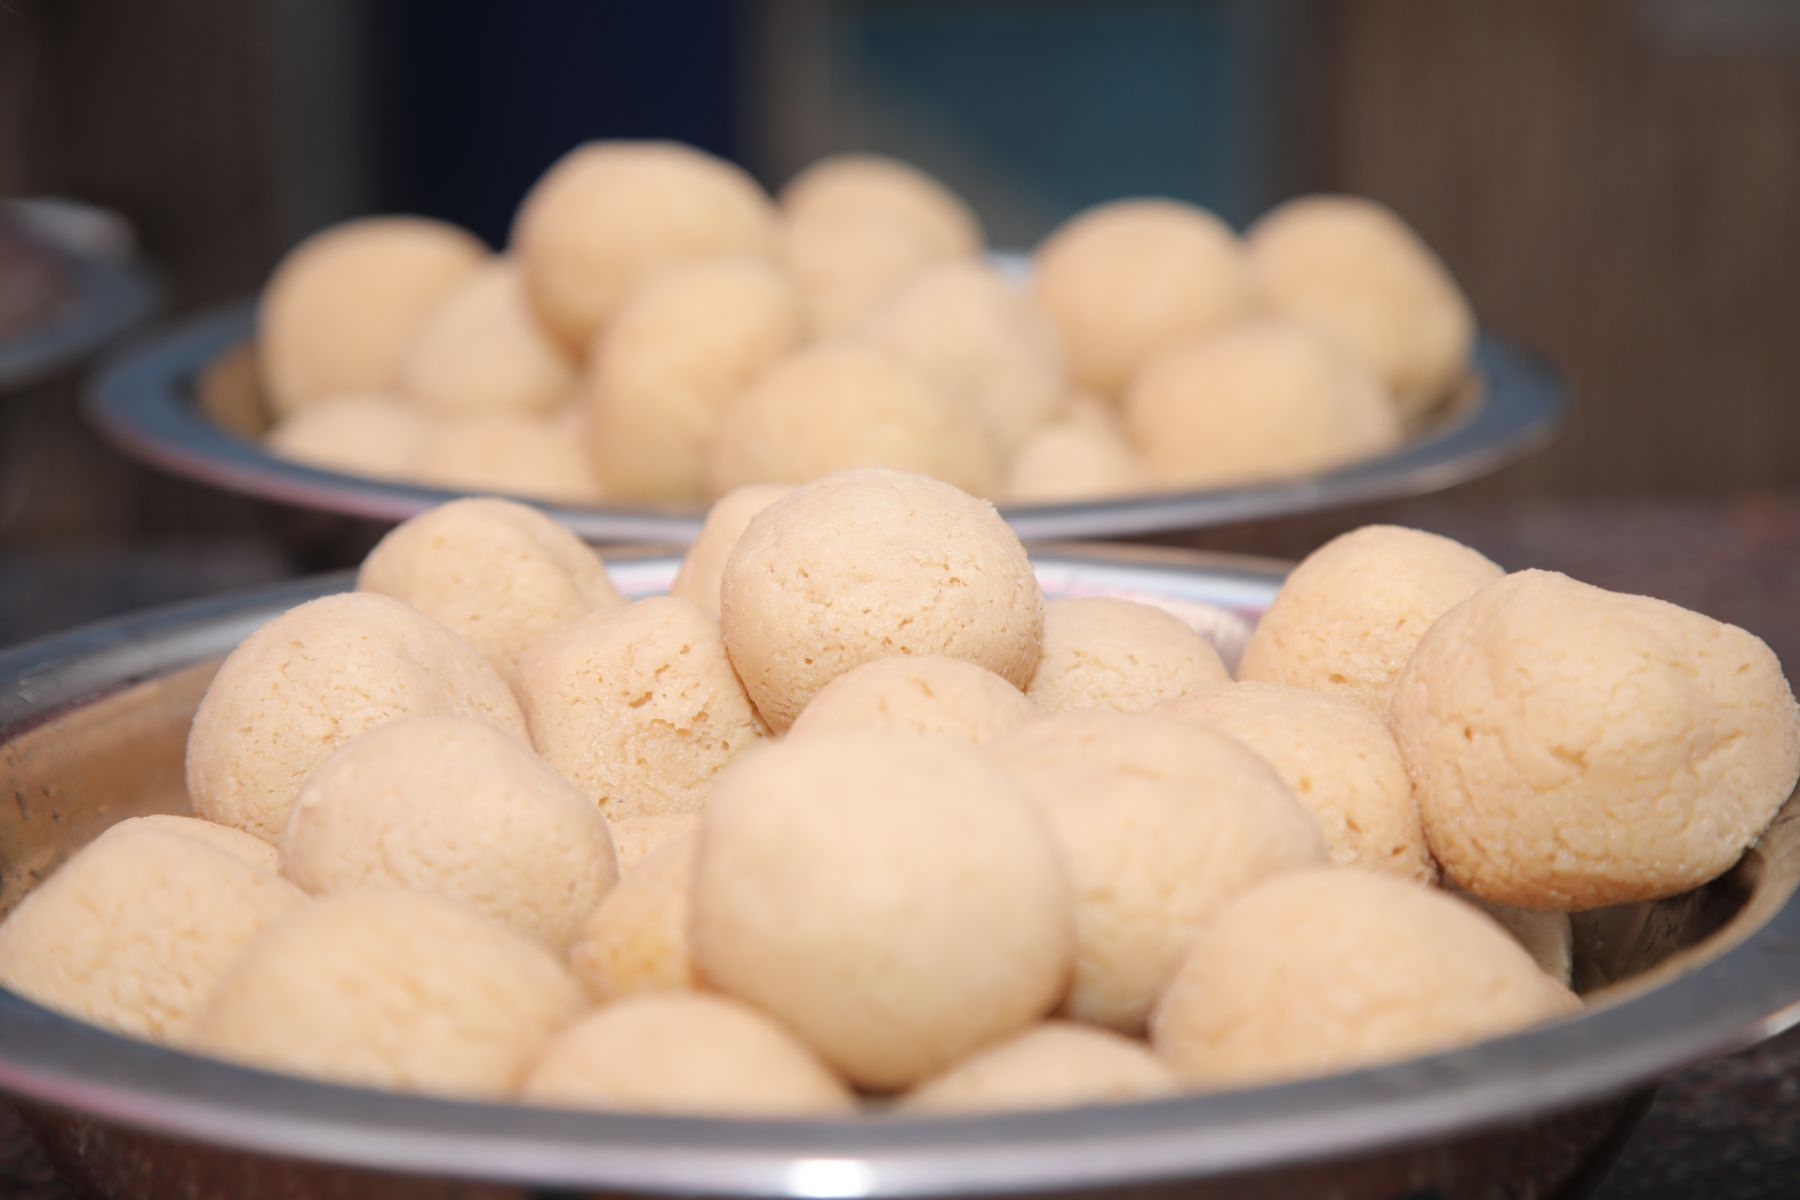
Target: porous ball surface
{"x": 1325, "y": 970}
{"x": 499, "y": 574}
{"x": 343, "y": 305}
{"x": 395, "y": 989}
{"x": 1353, "y": 269}
{"x": 608, "y": 214}
{"x": 454, "y": 807}
{"x": 872, "y": 189}
{"x": 870, "y": 564}
{"x": 637, "y": 838}
{"x": 247, "y": 849}
{"x": 312, "y": 679}
{"x": 1068, "y": 460}
{"x": 1101, "y": 652}
{"x": 891, "y": 898}
{"x": 1125, "y": 280}
{"x": 1548, "y": 937}
{"x": 1160, "y": 823}
{"x": 135, "y": 930}
{"x": 1340, "y": 761}
{"x": 703, "y": 566}
{"x": 921, "y": 693}
{"x": 980, "y": 339}
{"x": 638, "y": 706}
{"x": 358, "y": 433}
{"x": 1348, "y": 617}
{"x": 1574, "y": 748}
{"x": 687, "y": 1053}
{"x": 1058, "y": 1064}
{"x": 482, "y": 349}
{"x": 845, "y": 267}
{"x": 510, "y": 454}
{"x": 636, "y": 940}
{"x": 679, "y": 349}
{"x": 842, "y": 404}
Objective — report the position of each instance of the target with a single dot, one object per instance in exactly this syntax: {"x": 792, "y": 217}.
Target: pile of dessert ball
{"x": 661, "y": 331}
{"x": 856, "y": 818}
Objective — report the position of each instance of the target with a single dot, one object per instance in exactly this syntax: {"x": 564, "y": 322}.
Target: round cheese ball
{"x": 1549, "y": 937}
{"x": 637, "y": 706}
{"x": 395, "y": 989}
{"x": 921, "y": 693}
{"x": 1261, "y": 399}
{"x": 312, "y": 679}
{"x": 1339, "y": 759}
{"x": 1069, "y": 460}
{"x": 981, "y": 340}
{"x": 343, "y": 306}
{"x": 636, "y": 940}
{"x": 499, "y": 574}
{"x": 1057, "y": 1064}
{"x": 252, "y": 851}
{"x": 136, "y": 929}
{"x": 1574, "y": 748}
{"x": 680, "y": 347}
{"x": 511, "y": 454}
{"x": 1125, "y": 280}
{"x": 688, "y": 1053}
{"x": 834, "y": 576}
{"x": 703, "y": 567}
{"x": 357, "y": 433}
{"x": 827, "y": 895}
{"x": 872, "y": 189}
{"x": 1101, "y": 652}
{"x": 1348, "y": 617}
{"x": 1325, "y": 970}
{"x": 1160, "y": 823}
{"x": 637, "y": 838}
{"x": 846, "y": 404}
{"x": 844, "y": 267}
{"x": 453, "y": 806}
{"x": 1354, "y": 270}
{"x": 609, "y": 214}
{"x": 481, "y": 349}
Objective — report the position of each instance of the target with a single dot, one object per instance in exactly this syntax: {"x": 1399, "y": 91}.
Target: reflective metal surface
{"x": 91, "y": 729}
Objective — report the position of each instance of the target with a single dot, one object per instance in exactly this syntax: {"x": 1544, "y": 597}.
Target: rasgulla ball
{"x": 1574, "y": 748}
{"x": 452, "y": 806}
{"x": 703, "y": 567}
{"x": 1325, "y": 970}
{"x": 876, "y": 190}
{"x": 343, "y": 306}
{"x": 637, "y": 706}
{"x": 1549, "y": 937}
{"x": 1123, "y": 281}
{"x": 1348, "y": 617}
{"x": 135, "y": 930}
{"x": 500, "y": 574}
{"x": 981, "y": 340}
{"x": 686, "y": 1053}
{"x": 608, "y": 214}
{"x": 242, "y": 846}
{"x": 1352, "y": 269}
{"x": 844, "y": 267}
{"x": 637, "y": 838}
{"x": 636, "y": 940}
{"x": 864, "y": 565}
{"x": 511, "y": 454}
{"x": 312, "y": 679}
{"x": 680, "y": 347}
{"x": 891, "y": 898}
{"x": 918, "y": 693}
{"x": 1160, "y": 822}
{"x": 1260, "y": 399}
{"x": 1057, "y": 1064}
{"x": 1068, "y": 460}
{"x": 1339, "y": 759}
{"x": 481, "y": 349}
{"x": 354, "y": 432}
{"x": 394, "y": 989}
{"x": 846, "y": 404}
{"x": 1101, "y": 652}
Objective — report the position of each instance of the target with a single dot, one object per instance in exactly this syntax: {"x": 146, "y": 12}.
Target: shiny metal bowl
{"x": 187, "y": 402}
{"x": 92, "y": 726}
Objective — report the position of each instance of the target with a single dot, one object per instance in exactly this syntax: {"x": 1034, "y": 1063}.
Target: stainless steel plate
{"x": 91, "y": 729}
{"x": 185, "y": 402}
